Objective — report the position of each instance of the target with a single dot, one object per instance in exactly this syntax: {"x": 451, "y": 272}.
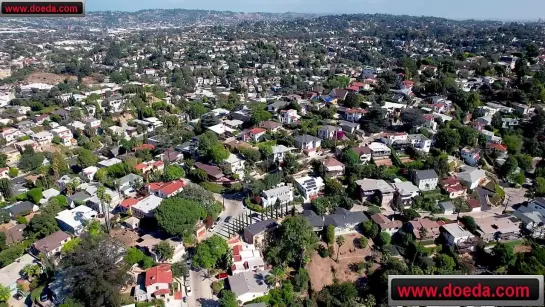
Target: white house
{"x": 278, "y": 152}
{"x": 62, "y": 132}
{"x": 74, "y": 220}
{"x": 309, "y": 187}
{"x": 234, "y": 164}
{"x": 425, "y": 180}
{"x": 289, "y": 116}
{"x": 43, "y": 137}
{"x": 455, "y": 234}
{"x": 88, "y": 173}
{"x": 471, "y": 176}
{"x": 146, "y": 206}
{"x": 248, "y": 286}
{"x": 247, "y": 258}
{"x": 282, "y": 193}
{"x": 11, "y": 273}
{"x": 420, "y": 142}
{"x": 379, "y": 150}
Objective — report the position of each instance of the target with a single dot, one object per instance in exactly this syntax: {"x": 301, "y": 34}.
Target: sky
{"x": 456, "y": 9}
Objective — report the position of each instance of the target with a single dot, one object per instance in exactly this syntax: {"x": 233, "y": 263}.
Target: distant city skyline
{"x": 460, "y": 9}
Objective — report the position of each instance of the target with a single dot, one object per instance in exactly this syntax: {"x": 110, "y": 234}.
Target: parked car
{"x": 188, "y": 290}
{"x": 228, "y": 219}
{"x": 221, "y": 276}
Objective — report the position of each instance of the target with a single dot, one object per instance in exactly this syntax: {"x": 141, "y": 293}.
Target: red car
{"x": 221, "y": 276}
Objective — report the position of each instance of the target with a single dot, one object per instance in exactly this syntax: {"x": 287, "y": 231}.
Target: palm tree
{"x": 275, "y": 276}
{"x": 340, "y": 242}
{"x": 105, "y": 198}
{"x": 31, "y": 270}
{"x": 71, "y": 187}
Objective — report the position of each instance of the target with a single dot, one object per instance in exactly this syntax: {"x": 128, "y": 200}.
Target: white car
{"x": 188, "y": 290}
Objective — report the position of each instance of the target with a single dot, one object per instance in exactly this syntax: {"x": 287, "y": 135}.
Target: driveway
{"x": 201, "y": 290}
{"x": 233, "y": 207}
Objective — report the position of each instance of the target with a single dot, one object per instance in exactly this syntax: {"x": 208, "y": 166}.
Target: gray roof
{"x": 128, "y": 179}
{"x": 260, "y": 226}
{"x": 342, "y": 217}
{"x": 425, "y": 174}
{"x": 21, "y": 207}
{"x": 256, "y": 305}
{"x": 51, "y": 242}
{"x": 314, "y": 219}
{"x": 348, "y": 124}
{"x": 447, "y": 205}
{"x": 79, "y": 196}
{"x": 329, "y": 128}
{"x": 306, "y": 138}
{"x": 248, "y": 282}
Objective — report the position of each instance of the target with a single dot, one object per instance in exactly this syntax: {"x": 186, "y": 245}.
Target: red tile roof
{"x": 166, "y": 188}
{"x": 473, "y": 203}
{"x": 144, "y": 147}
{"x": 158, "y": 163}
{"x": 161, "y": 292}
{"x": 257, "y": 130}
{"x": 129, "y": 202}
{"x": 159, "y": 274}
{"x": 178, "y": 295}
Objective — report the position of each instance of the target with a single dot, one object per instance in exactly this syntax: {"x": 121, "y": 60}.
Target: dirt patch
{"x": 47, "y": 78}
{"x": 323, "y": 271}
{"x": 385, "y": 162}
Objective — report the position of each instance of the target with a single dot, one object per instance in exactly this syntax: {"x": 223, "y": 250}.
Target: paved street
{"x": 201, "y": 290}
{"x": 233, "y": 208}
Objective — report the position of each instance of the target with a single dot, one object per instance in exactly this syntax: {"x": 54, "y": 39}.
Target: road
{"x": 232, "y": 207}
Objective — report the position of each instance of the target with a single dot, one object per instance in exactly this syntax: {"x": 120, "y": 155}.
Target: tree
{"x": 469, "y": 223}
{"x": 178, "y": 216}
{"x": 330, "y": 235}
{"x": 198, "y": 175}
{"x": 218, "y": 153}
{"x": 30, "y": 160}
{"x": 445, "y": 262}
{"x": 353, "y": 100}
{"x": 134, "y": 255}
{"x": 259, "y": 116}
{"x": 410, "y": 214}
{"x": 539, "y": 188}
{"x": 508, "y": 167}
{"x": 447, "y": 139}
{"x": 173, "y": 172}
{"x": 363, "y": 242}
{"x": 294, "y": 239}
{"x": 5, "y": 188}
{"x": 70, "y": 302}
{"x": 338, "y": 295}
{"x": 13, "y": 172}
{"x": 179, "y": 269}
{"x": 41, "y": 226}
{"x": 5, "y": 293}
{"x": 35, "y": 195}
{"x": 70, "y": 246}
{"x": 369, "y": 229}
{"x": 164, "y": 250}
{"x": 291, "y": 163}
{"x": 4, "y": 216}
{"x": 334, "y": 187}
{"x": 497, "y": 122}
{"x": 94, "y": 273}
{"x": 340, "y": 242}
{"x": 513, "y": 143}
{"x": 3, "y": 160}
{"x": 252, "y": 156}
{"x": 525, "y": 162}
{"x": 468, "y": 136}
{"x": 228, "y": 299}
{"x": 58, "y": 165}
{"x": 275, "y": 276}
{"x": 384, "y": 238}
{"x": 210, "y": 252}
{"x": 31, "y": 270}
{"x": 86, "y": 158}
{"x": 412, "y": 117}
{"x": 503, "y": 254}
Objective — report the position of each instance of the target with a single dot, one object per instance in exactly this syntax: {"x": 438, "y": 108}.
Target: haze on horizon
{"x": 460, "y": 9}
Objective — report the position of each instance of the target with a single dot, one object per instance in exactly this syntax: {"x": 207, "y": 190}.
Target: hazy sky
{"x": 459, "y": 9}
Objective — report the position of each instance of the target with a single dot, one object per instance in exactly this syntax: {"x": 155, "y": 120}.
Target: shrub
{"x": 323, "y": 251}
{"x": 212, "y": 187}
{"x": 13, "y": 172}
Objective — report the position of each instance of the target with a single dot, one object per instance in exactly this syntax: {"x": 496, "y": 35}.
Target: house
{"x": 282, "y": 194}
{"x": 364, "y": 152}
{"x": 453, "y": 187}
{"x": 307, "y": 142}
{"x": 109, "y": 162}
{"x": 277, "y": 106}
{"x": 92, "y": 123}
{"x": 349, "y": 127}
{"x": 132, "y": 223}
{"x": 424, "y": 229}
{"x": 499, "y": 150}
{"x": 309, "y": 187}
{"x": 447, "y": 207}
{"x": 125, "y": 184}
{"x": 333, "y": 167}
{"x": 247, "y": 258}
{"x": 255, "y": 233}
{"x": 214, "y": 173}
{"x": 11, "y": 274}
{"x": 256, "y": 134}
{"x": 42, "y": 138}
{"x": 14, "y": 234}
{"x": 523, "y": 109}
{"x": 288, "y": 117}
{"x": 532, "y": 220}
{"x": 150, "y": 166}
{"x": 52, "y": 244}
{"x": 62, "y": 132}
{"x": 88, "y": 173}
{"x": 471, "y": 156}
{"x": 472, "y": 177}
{"x": 425, "y": 180}
{"x": 338, "y": 93}
{"x": 166, "y": 189}
{"x": 145, "y": 207}
{"x": 397, "y": 137}
{"x": 21, "y": 208}
{"x": 454, "y": 234}
{"x": 74, "y": 220}
{"x": 344, "y": 221}
{"x": 405, "y": 191}
{"x": 248, "y": 286}
{"x": 354, "y": 115}
{"x": 419, "y": 142}
{"x": 270, "y": 126}
{"x": 499, "y": 227}
{"x": 234, "y": 164}
{"x": 278, "y": 152}
{"x": 376, "y": 190}
{"x": 13, "y": 155}
{"x": 385, "y": 224}
{"x": 158, "y": 281}
{"x": 328, "y": 132}
{"x": 379, "y": 150}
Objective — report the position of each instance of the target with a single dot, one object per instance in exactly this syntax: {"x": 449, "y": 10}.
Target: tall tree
{"x": 340, "y": 242}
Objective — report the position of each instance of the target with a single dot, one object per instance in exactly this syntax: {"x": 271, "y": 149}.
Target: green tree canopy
{"x": 178, "y": 216}
{"x": 293, "y": 239}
